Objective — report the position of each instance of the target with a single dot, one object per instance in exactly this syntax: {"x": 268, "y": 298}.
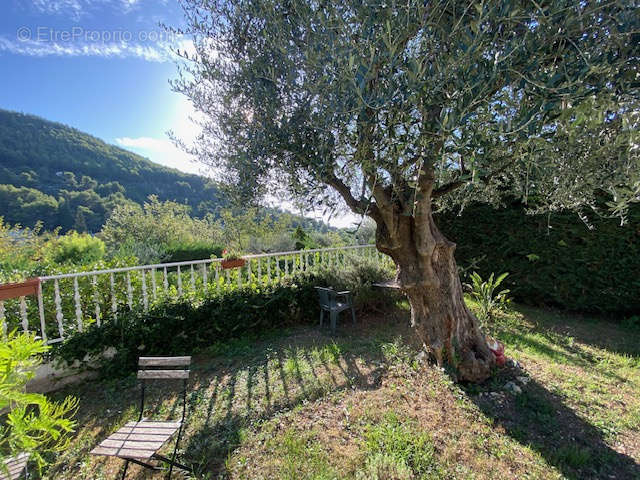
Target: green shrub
{"x": 77, "y": 248}
{"x": 194, "y": 250}
{"x": 553, "y": 260}
{"x": 188, "y": 324}
{"x": 33, "y": 423}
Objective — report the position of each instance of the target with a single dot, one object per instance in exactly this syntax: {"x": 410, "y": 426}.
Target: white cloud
{"x": 76, "y": 9}
{"x": 162, "y": 151}
{"x": 158, "y": 52}
{"x": 72, "y": 8}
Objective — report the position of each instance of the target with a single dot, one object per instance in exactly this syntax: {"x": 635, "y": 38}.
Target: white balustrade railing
{"x": 71, "y": 301}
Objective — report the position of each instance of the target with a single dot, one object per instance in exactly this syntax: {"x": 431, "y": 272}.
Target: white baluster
{"x": 41, "y": 313}
{"x": 239, "y": 277}
{"x": 145, "y": 297}
{"x": 193, "y": 279}
{"x": 94, "y": 283}
{"x": 165, "y": 280}
{"x": 76, "y": 298}
{"x": 306, "y": 262}
{"x": 114, "y": 299}
{"x": 179, "y": 281}
{"x": 23, "y": 314}
{"x": 129, "y": 291}
{"x": 286, "y": 267}
{"x": 249, "y": 271}
{"x": 154, "y": 287}
{"x": 277, "y": 269}
{"x": 259, "y": 271}
{"x": 268, "y": 270}
{"x": 2, "y": 320}
{"x": 217, "y": 277}
{"x": 204, "y": 276}
{"x": 58, "y": 302}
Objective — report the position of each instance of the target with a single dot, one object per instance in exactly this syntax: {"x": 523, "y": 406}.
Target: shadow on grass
{"x": 284, "y": 385}
{"x": 540, "y": 420}
{"x": 609, "y": 334}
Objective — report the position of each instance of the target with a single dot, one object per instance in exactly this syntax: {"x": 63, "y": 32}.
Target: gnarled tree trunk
{"x": 428, "y": 275}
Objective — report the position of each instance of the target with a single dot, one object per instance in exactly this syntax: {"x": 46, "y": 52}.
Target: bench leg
{"x": 321, "y": 316}
{"x": 334, "y": 317}
{"x": 353, "y": 315}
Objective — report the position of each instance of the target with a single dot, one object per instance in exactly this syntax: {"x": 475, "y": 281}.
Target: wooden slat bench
{"x": 15, "y": 466}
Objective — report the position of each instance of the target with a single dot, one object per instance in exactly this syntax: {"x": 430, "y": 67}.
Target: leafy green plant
{"x": 486, "y": 293}
{"x": 33, "y": 424}
{"x": 229, "y": 254}
{"x": 77, "y": 248}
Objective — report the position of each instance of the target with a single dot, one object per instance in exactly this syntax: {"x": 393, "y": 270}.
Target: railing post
{"x": 259, "y": 271}
{"x": 114, "y": 298}
{"x": 129, "y": 291}
{"x": 76, "y": 297}
{"x": 153, "y": 284}
{"x": 193, "y": 278}
{"x": 3, "y": 324}
{"x": 41, "y": 313}
{"x": 165, "y": 280}
{"x": 204, "y": 277}
{"x": 94, "y": 284}
{"x": 145, "y": 298}
{"x": 268, "y": 270}
{"x": 179, "y": 281}
{"x": 58, "y": 302}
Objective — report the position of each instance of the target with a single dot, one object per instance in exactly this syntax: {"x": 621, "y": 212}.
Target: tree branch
{"x": 450, "y": 187}
{"x": 361, "y": 206}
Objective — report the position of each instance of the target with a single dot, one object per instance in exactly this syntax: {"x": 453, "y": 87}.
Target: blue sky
{"x": 101, "y": 66}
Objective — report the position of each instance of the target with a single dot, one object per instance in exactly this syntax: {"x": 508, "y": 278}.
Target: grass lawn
{"x": 305, "y": 405}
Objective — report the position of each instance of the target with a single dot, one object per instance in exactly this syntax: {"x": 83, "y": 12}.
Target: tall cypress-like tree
{"x": 405, "y": 107}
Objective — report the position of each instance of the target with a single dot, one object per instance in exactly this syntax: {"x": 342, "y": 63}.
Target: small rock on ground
{"x": 513, "y": 388}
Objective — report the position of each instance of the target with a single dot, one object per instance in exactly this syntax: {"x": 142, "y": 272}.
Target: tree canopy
{"x": 471, "y": 100}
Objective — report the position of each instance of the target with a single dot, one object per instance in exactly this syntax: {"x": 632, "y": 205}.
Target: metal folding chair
{"x": 334, "y": 303}
{"x": 138, "y": 442}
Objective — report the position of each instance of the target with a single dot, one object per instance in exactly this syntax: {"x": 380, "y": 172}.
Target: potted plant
{"x": 231, "y": 259}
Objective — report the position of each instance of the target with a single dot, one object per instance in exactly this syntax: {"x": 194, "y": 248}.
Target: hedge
{"x": 187, "y": 324}
{"x": 555, "y": 261}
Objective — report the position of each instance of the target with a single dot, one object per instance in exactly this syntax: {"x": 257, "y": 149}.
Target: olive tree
{"x": 402, "y": 107}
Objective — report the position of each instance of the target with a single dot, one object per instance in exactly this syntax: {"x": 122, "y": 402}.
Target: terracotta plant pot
{"x": 17, "y": 290}
{"x": 235, "y": 263}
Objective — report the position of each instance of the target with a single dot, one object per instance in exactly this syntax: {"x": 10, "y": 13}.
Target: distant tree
{"x": 301, "y": 238}
{"x": 405, "y": 107}
{"x": 80, "y": 223}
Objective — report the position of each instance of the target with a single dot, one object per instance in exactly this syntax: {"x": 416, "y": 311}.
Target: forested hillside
{"x": 67, "y": 178}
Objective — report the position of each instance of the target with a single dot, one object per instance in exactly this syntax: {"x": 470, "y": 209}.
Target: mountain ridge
{"x": 64, "y": 177}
